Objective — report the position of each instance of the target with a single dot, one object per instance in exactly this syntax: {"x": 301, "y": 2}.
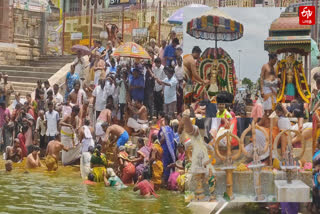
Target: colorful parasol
{"x": 132, "y": 50}
{"x": 215, "y": 25}
{"x": 177, "y": 16}
{"x": 83, "y": 49}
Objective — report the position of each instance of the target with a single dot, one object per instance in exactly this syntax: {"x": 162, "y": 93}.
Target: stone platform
{"x": 297, "y": 191}
{"x": 243, "y": 183}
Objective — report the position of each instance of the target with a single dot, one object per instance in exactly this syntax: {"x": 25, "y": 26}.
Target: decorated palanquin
{"x": 287, "y": 36}
{"x": 294, "y": 82}
{"x": 217, "y": 66}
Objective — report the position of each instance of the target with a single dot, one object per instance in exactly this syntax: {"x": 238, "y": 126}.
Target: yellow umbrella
{"x": 132, "y": 50}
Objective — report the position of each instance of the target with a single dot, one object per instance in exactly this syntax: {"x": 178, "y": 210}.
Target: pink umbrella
{"x": 83, "y": 49}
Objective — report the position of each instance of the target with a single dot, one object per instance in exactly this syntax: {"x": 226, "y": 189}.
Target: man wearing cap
{"x": 170, "y": 52}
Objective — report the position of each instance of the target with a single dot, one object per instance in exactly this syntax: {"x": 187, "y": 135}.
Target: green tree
{"x": 248, "y": 82}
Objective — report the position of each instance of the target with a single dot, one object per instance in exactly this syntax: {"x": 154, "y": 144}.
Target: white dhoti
{"x": 260, "y": 144}
{"x": 97, "y": 77}
{"x": 295, "y": 127}
{"x": 284, "y": 123}
{"x": 87, "y": 141}
{"x": 85, "y": 164}
{"x": 138, "y": 124}
{"x": 267, "y": 104}
{"x": 67, "y": 136}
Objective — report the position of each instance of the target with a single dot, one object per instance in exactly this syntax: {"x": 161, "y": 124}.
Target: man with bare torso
{"x": 77, "y": 95}
{"x": 33, "y": 159}
{"x": 14, "y": 153}
{"x": 84, "y": 112}
{"x": 69, "y": 133}
{"x": 53, "y": 153}
{"x": 191, "y": 73}
{"x": 269, "y": 84}
{"x": 141, "y": 124}
{"x": 116, "y": 130}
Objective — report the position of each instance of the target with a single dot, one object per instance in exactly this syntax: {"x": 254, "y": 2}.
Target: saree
{"x": 98, "y": 173}
{"x": 157, "y": 166}
{"x": 180, "y": 181}
{"x": 145, "y": 153}
{"x": 22, "y": 140}
{"x": 129, "y": 170}
{"x": 67, "y": 137}
{"x": 51, "y": 163}
{"x": 114, "y": 180}
{"x": 146, "y": 188}
{"x": 168, "y": 149}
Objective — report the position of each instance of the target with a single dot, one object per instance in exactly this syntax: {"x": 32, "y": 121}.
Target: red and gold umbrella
{"x": 132, "y": 50}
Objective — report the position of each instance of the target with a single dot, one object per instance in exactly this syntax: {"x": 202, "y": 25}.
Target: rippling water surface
{"x": 64, "y": 192}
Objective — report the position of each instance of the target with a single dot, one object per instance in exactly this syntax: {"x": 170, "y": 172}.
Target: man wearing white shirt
{"x": 57, "y": 97}
{"x": 52, "y": 120}
{"x": 99, "y": 98}
{"x": 170, "y": 92}
{"x": 158, "y": 95}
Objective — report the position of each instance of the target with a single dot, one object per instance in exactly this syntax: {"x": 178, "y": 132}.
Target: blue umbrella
{"x": 177, "y": 16}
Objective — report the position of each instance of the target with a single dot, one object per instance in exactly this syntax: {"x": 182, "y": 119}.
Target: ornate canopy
{"x": 287, "y": 35}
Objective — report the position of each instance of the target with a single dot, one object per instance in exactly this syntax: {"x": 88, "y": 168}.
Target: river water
{"x": 63, "y": 191}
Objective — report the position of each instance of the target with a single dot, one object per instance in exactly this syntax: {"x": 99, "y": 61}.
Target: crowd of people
{"x": 108, "y": 103}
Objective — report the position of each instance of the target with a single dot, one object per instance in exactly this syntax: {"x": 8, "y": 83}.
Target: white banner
{"x": 76, "y": 36}
{"x": 140, "y": 32}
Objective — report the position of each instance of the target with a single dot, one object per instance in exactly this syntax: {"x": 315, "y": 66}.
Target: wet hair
{"x": 41, "y": 92}
{"x": 272, "y": 56}
{"x": 91, "y": 149}
{"x": 141, "y": 141}
{"x": 24, "y": 129}
{"x": 50, "y": 92}
{"x": 77, "y": 82}
{"x": 91, "y": 177}
{"x": 196, "y": 49}
{"x": 76, "y": 109}
{"x": 279, "y": 107}
{"x": 86, "y": 122}
{"x": 105, "y": 124}
{"x": 157, "y": 60}
{"x": 50, "y": 103}
{"x": 167, "y": 119}
{"x": 154, "y": 137}
{"x": 224, "y": 97}
{"x": 146, "y": 175}
{"x": 46, "y": 82}
{"x": 176, "y": 41}
{"x": 169, "y": 69}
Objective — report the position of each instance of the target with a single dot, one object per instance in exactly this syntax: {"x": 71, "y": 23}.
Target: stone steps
{"x": 24, "y": 78}
{"x": 4, "y": 68}
{"x": 25, "y": 74}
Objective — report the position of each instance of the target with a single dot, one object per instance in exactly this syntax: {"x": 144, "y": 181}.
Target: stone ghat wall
{"x": 243, "y": 182}
{"x": 8, "y": 54}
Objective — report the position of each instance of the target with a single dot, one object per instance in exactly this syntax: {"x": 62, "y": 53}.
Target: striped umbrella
{"x": 131, "y": 50}
{"x": 215, "y": 25}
